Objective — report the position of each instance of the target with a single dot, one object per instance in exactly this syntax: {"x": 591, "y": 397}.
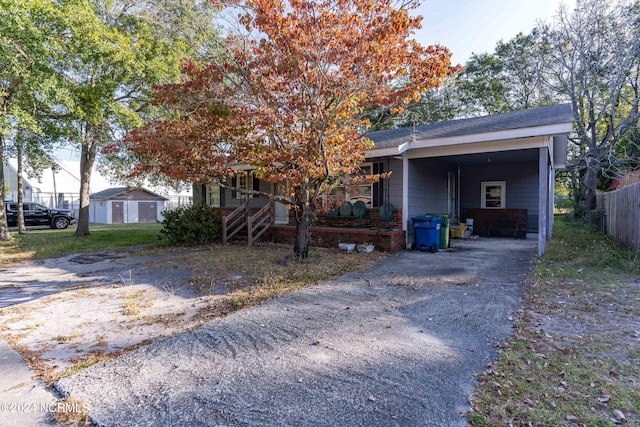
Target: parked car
{"x": 37, "y": 214}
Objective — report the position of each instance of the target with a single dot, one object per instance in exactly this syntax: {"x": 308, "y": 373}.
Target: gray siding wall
{"x": 255, "y": 202}
{"x": 521, "y": 182}
{"x": 233, "y": 202}
{"x": 392, "y": 186}
{"x": 428, "y": 185}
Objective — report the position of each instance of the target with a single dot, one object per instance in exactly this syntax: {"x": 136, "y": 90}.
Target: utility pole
{"x": 54, "y": 168}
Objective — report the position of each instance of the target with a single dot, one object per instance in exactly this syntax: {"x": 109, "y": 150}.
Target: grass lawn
{"x": 574, "y": 359}
{"x": 44, "y": 242}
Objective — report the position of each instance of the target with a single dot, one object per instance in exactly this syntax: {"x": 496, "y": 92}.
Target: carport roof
{"x": 532, "y": 118}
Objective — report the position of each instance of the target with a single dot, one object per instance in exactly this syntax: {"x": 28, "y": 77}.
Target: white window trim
{"x": 369, "y": 167}
{"x": 248, "y": 184}
{"x": 503, "y": 194}
{"x": 347, "y": 195}
{"x": 213, "y": 194}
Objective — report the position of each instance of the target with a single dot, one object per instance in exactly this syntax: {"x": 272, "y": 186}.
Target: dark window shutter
{"x": 255, "y": 185}
{"x": 234, "y": 184}
{"x": 378, "y": 187}
{"x": 222, "y": 196}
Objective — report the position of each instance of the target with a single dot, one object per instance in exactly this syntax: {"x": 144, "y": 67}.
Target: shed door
{"x": 117, "y": 212}
{"x": 147, "y": 211}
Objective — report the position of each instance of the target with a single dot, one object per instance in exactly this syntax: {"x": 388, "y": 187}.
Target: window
{"x": 493, "y": 194}
{"x": 34, "y": 207}
{"x": 363, "y": 192}
{"x": 213, "y": 194}
{"x": 245, "y": 181}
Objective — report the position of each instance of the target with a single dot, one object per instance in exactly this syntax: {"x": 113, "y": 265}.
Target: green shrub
{"x": 580, "y": 211}
{"x": 192, "y": 225}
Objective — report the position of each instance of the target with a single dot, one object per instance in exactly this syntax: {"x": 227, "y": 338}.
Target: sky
{"x": 476, "y": 26}
{"x": 66, "y": 179}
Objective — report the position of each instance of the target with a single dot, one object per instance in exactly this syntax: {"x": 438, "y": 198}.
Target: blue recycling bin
{"x": 426, "y": 231}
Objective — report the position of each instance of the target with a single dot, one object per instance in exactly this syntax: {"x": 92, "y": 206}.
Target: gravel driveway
{"x": 398, "y": 344}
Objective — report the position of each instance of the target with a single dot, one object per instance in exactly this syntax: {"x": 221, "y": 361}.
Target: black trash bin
{"x": 426, "y": 230}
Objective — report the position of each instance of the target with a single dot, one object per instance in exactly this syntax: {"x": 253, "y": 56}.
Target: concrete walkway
{"x": 399, "y": 344}
{"x": 23, "y": 399}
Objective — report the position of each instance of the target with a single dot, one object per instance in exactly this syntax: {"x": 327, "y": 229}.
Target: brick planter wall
{"x": 327, "y": 232}
{"x": 370, "y": 219}
{"x": 329, "y": 237}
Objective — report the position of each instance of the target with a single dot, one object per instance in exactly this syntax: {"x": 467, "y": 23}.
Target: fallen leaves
{"x": 568, "y": 363}
{"x": 619, "y": 416}
{"x": 604, "y": 397}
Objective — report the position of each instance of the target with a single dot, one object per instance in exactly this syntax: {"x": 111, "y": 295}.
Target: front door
{"x": 281, "y": 212}
{"x": 117, "y": 212}
{"x": 35, "y": 214}
{"x": 453, "y": 198}
{"x": 147, "y": 212}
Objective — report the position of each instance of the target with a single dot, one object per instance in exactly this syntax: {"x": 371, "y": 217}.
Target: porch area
{"x": 258, "y": 224}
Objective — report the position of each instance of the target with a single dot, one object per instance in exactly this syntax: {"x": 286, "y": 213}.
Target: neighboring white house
{"x": 124, "y": 205}
{"x": 59, "y": 189}
{"x": 11, "y": 182}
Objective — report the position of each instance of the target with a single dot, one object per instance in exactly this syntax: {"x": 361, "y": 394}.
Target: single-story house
{"x": 11, "y": 184}
{"x": 125, "y": 205}
{"x": 495, "y": 169}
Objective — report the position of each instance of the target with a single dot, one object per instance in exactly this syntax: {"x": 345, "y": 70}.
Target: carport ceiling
{"x": 498, "y": 157}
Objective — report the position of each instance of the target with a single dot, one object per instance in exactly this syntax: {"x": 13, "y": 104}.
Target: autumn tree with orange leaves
{"x": 289, "y": 99}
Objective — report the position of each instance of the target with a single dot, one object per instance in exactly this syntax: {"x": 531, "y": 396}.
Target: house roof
{"x": 532, "y": 118}
{"x": 624, "y": 180}
{"x": 117, "y": 191}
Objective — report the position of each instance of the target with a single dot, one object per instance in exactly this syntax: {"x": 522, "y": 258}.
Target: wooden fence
{"x": 622, "y": 214}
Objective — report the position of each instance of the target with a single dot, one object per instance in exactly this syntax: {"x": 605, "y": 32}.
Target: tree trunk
{"x": 590, "y": 183}
{"x": 575, "y": 186}
{"x": 87, "y": 157}
{"x": 4, "y": 228}
{"x": 301, "y": 245}
{"x": 21, "y": 227}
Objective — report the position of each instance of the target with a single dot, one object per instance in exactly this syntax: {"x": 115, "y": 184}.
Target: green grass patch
{"x": 575, "y": 356}
{"x": 580, "y": 246}
{"x": 41, "y": 243}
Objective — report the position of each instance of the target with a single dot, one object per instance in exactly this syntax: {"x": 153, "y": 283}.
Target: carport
{"x": 490, "y": 166}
